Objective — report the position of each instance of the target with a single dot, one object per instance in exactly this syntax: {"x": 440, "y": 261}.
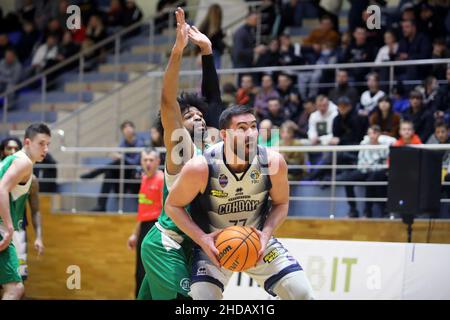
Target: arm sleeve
{"x": 211, "y": 91}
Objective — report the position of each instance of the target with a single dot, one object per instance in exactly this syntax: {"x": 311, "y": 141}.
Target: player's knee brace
{"x": 294, "y": 287}
{"x": 205, "y": 291}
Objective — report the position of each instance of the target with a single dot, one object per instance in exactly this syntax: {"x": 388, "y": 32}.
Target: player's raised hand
{"x": 201, "y": 40}
{"x": 6, "y": 238}
{"x": 207, "y": 243}
{"x": 182, "y": 38}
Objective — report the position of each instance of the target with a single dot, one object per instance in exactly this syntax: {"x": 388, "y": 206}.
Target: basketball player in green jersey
{"x": 166, "y": 251}
{"x": 16, "y": 173}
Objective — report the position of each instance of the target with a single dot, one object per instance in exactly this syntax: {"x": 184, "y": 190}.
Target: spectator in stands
{"x": 61, "y": 14}
{"x": 320, "y": 126}
{"x": 115, "y": 13}
{"x": 442, "y": 100}
{"x": 309, "y": 107}
{"x": 67, "y": 47}
{"x": 157, "y": 141}
{"x": 440, "y": 51}
{"x": 407, "y": 134}
{"x": 28, "y": 11}
{"x": 418, "y": 114}
{"x": 375, "y": 36}
{"x": 245, "y": 51}
{"x": 312, "y": 79}
{"x": 440, "y": 135}
{"x": 4, "y": 44}
{"x": 285, "y": 87}
{"x": 346, "y": 40}
{"x": 130, "y": 140}
{"x": 325, "y": 33}
{"x": 276, "y": 113}
{"x": 132, "y": 14}
{"x": 348, "y": 126}
{"x": 400, "y": 102}
{"x": 269, "y": 10}
{"x": 370, "y": 169}
{"x": 412, "y": 46}
{"x": 289, "y": 53}
{"x": 266, "y": 92}
{"x": 247, "y": 92}
{"x": 10, "y": 71}
{"x": 291, "y": 14}
{"x": 343, "y": 89}
{"x": 370, "y": 97}
{"x": 270, "y": 57}
{"x": 211, "y": 26}
{"x": 229, "y": 94}
{"x": 288, "y": 132}
{"x": 162, "y": 14}
{"x": 388, "y": 52}
{"x": 360, "y": 50}
{"x": 430, "y": 23}
{"x": 95, "y": 33}
{"x": 54, "y": 27}
{"x": 385, "y": 117}
{"x": 429, "y": 90}
{"x": 45, "y": 55}
{"x": 268, "y": 135}
{"x": 27, "y": 42}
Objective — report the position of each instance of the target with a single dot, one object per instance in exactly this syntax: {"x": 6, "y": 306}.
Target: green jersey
{"x": 163, "y": 220}
{"x": 19, "y": 194}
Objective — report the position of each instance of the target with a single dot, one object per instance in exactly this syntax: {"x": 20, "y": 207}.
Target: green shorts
{"x": 167, "y": 267}
{"x": 9, "y": 265}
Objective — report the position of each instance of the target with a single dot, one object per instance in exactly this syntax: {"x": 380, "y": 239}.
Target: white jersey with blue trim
{"x": 231, "y": 198}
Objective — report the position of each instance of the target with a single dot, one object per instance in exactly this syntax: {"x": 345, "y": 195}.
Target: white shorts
{"x": 20, "y": 242}
{"x": 276, "y": 263}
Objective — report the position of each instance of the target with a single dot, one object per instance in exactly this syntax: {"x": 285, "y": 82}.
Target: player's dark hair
{"x": 36, "y": 128}
{"x": 187, "y": 100}
{"x": 5, "y": 141}
{"x": 230, "y": 112}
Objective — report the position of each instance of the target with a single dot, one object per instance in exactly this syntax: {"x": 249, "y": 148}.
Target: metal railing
{"x": 333, "y": 183}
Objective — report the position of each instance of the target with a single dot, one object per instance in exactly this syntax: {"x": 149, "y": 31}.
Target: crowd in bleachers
{"x": 35, "y": 37}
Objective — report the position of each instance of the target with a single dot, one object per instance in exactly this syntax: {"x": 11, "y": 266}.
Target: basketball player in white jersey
{"x": 230, "y": 184}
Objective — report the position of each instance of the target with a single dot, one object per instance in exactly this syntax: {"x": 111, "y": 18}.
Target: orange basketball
{"x": 238, "y": 248}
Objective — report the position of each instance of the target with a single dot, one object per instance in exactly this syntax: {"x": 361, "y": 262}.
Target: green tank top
{"x": 18, "y": 195}
{"x": 164, "y": 219}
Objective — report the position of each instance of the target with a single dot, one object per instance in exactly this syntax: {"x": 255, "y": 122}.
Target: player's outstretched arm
{"x": 19, "y": 170}
{"x": 171, "y": 117}
{"x": 279, "y": 193}
{"x": 33, "y": 200}
{"x": 192, "y": 181}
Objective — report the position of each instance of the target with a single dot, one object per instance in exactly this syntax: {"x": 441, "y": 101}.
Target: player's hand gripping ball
{"x": 238, "y": 248}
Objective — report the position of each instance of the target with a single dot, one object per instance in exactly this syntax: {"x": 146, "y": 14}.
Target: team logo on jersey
{"x": 185, "y": 284}
{"x": 255, "y": 174}
{"x": 219, "y": 193}
{"x": 223, "y": 180}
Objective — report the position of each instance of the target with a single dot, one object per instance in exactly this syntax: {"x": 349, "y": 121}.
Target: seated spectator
{"x": 27, "y": 42}
{"x": 412, "y": 46}
{"x": 270, "y": 57}
{"x": 228, "y": 94}
{"x": 132, "y": 14}
{"x": 95, "y": 33}
{"x": 407, "y": 134}
{"x": 311, "y": 79}
{"x": 429, "y": 90}
{"x": 360, "y": 50}
{"x": 269, "y": 11}
{"x": 45, "y": 56}
{"x": 289, "y": 96}
{"x": 288, "y": 132}
{"x": 10, "y": 71}
{"x": 442, "y": 100}
{"x": 115, "y": 14}
{"x": 247, "y": 92}
{"x": 54, "y": 27}
{"x": 440, "y": 51}
{"x": 400, "y": 102}
{"x": 430, "y": 23}
{"x": 348, "y": 126}
{"x": 325, "y": 33}
{"x": 388, "y": 52}
{"x": 309, "y": 107}
{"x": 262, "y": 98}
{"x": 370, "y": 169}
{"x": 440, "y": 135}
{"x": 130, "y": 140}
{"x": 211, "y": 26}
{"x": 276, "y": 113}
{"x": 291, "y": 14}
{"x": 67, "y": 48}
{"x": 289, "y": 53}
{"x": 320, "y": 126}
{"x": 418, "y": 114}
{"x": 343, "y": 89}
{"x": 27, "y": 11}
{"x": 370, "y": 97}
{"x": 268, "y": 135}
{"x": 346, "y": 40}
{"x": 385, "y": 117}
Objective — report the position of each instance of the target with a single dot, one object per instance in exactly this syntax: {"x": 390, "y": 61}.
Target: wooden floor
{"x": 97, "y": 245}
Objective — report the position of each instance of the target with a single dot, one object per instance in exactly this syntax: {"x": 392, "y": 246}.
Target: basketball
{"x": 238, "y": 248}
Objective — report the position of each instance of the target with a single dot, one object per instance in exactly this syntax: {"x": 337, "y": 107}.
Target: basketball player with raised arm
{"x": 166, "y": 251}
{"x": 16, "y": 173}
{"x": 231, "y": 184}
